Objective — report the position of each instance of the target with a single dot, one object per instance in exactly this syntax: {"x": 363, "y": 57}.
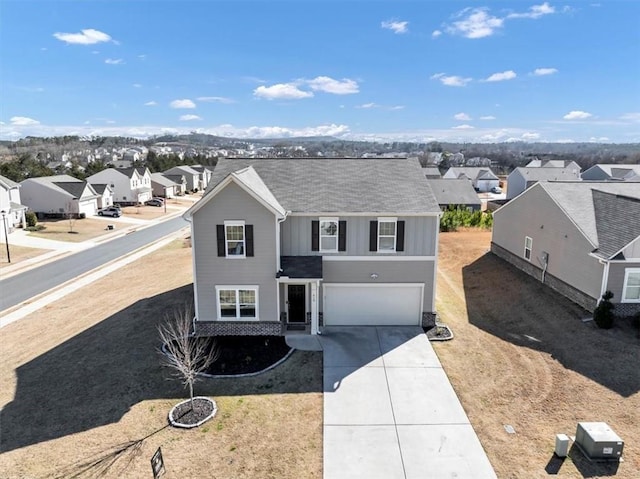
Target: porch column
{"x": 314, "y": 307}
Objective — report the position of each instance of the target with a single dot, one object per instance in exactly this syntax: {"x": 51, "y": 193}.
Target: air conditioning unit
{"x": 598, "y": 441}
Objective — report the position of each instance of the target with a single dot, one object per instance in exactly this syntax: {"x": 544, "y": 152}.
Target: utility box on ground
{"x": 598, "y": 441}
{"x": 562, "y": 445}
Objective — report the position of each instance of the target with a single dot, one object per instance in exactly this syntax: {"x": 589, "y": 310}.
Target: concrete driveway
{"x": 390, "y": 411}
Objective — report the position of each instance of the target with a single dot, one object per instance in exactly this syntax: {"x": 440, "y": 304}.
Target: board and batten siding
{"x": 360, "y": 272}
{"x": 536, "y": 215}
{"x": 233, "y": 203}
{"x": 615, "y": 281}
{"x": 420, "y": 233}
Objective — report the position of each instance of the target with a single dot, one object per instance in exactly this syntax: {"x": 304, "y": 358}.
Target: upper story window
{"x": 528, "y": 243}
{"x": 328, "y": 234}
{"x": 387, "y": 235}
{"x": 235, "y": 239}
{"x": 631, "y": 288}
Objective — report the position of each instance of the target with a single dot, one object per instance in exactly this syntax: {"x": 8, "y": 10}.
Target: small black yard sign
{"x": 157, "y": 464}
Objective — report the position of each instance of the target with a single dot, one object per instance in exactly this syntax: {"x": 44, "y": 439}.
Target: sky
{"x": 473, "y": 71}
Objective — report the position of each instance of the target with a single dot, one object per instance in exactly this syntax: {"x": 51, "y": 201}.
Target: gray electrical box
{"x": 598, "y": 441}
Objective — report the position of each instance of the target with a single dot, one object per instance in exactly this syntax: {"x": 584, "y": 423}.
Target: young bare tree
{"x": 185, "y": 353}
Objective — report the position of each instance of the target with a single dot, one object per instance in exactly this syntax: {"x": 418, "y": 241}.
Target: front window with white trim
{"x": 631, "y": 288}
{"x": 528, "y": 244}
{"x": 234, "y": 239}
{"x": 237, "y": 302}
{"x": 387, "y": 230}
{"x": 328, "y": 234}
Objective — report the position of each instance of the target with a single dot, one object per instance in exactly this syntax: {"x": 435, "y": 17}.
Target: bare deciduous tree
{"x": 185, "y": 353}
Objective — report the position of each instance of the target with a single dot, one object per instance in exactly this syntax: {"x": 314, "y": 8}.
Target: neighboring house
{"x": 454, "y": 193}
{"x": 568, "y": 164}
{"x": 59, "y": 195}
{"x": 205, "y": 173}
{"x": 190, "y": 175}
{"x": 580, "y": 238}
{"x": 105, "y": 194}
{"x": 522, "y": 178}
{"x": 163, "y": 186}
{"x": 180, "y": 182}
{"x": 284, "y": 244}
{"x": 431, "y": 172}
{"x": 612, "y": 173}
{"x": 130, "y": 186}
{"x": 11, "y": 209}
{"x": 482, "y": 178}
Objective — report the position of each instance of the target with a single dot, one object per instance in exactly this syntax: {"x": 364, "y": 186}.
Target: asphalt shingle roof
{"x": 74, "y": 188}
{"x": 340, "y": 185}
{"x": 454, "y": 192}
{"x": 534, "y": 174}
{"x": 301, "y": 266}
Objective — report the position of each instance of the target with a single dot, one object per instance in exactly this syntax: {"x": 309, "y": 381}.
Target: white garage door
{"x": 372, "y": 305}
{"x": 87, "y": 207}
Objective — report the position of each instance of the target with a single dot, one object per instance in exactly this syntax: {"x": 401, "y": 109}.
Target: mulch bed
{"x": 185, "y": 415}
{"x": 440, "y": 332}
{"x": 248, "y": 354}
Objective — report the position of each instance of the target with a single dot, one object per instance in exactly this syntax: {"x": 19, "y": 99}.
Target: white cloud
{"x": 450, "y": 80}
{"x": 463, "y": 127}
{"x": 136, "y": 85}
{"x": 502, "y": 76}
{"x": 475, "y": 23}
{"x": 23, "y": 121}
{"x": 88, "y": 36}
{"x": 601, "y": 139}
{"x": 189, "y": 117}
{"x": 186, "y": 103}
{"x": 544, "y": 71}
{"x": 577, "y": 115}
{"x": 150, "y": 103}
{"x": 216, "y": 99}
{"x": 436, "y": 33}
{"x": 367, "y": 105}
{"x": 281, "y": 91}
{"x": 337, "y": 87}
{"x": 395, "y": 26}
{"x": 114, "y": 61}
{"x": 631, "y": 116}
{"x": 462, "y": 117}
{"x": 396, "y": 107}
{"x": 530, "y": 136}
{"x": 535, "y": 12}
{"x": 488, "y": 117}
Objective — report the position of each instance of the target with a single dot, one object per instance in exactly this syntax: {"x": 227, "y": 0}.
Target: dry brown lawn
{"x": 146, "y": 212}
{"x": 74, "y": 231}
{"x": 18, "y": 254}
{"x": 522, "y": 356}
{"x": 82, "y": 376}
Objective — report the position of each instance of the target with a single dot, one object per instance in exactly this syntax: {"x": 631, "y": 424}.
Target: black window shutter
{"x": 342, "y": 236}
{"x": 220, "y": 234}
{"x": 400, "y": 236}
{"x": 248, "y": 239}
{"x": 373, "y": 236}
{"x": 315, "y": 236}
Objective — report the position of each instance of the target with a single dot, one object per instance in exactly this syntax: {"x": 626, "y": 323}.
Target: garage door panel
{"x": 372, "y": 305}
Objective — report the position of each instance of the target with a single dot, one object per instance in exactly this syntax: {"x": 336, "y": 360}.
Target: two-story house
{"x": 11, "y": 210}
{"x": 482, "y": 178}
{"x": 281, "y": 244}
{"x": 130, "y": 186}
{"x": 59, "y": 195}
{"x": 191, "y": 176}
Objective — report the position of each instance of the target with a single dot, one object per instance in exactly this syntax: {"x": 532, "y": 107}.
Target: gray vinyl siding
{"x": 419, "y": 236}
{"x": 536, "y": 215}
{"x": 616, "y": 279}
{"x": 43, "y": 199}
{"x": 516, "y": 184}
{"x": 633, "y": 250}
{"x": 233, "y": 203}
{"x": 387, "y": 271}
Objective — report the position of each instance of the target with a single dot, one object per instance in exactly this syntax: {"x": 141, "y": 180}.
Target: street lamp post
{"x": 6, "y": 237}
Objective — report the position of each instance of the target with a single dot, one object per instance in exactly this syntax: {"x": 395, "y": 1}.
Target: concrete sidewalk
{"x": 390, "y": 411}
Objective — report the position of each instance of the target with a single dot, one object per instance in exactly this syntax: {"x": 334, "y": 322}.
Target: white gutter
{"x": 279, "y": 221}
{"x": 605, "y": 279}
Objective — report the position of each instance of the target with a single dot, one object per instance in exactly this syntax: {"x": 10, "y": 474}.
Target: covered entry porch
{"x": 298, "y": 293}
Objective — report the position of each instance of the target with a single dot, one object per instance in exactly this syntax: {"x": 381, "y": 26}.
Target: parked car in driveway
{"x": 154, "y": 202}
{"x": 496, "y": 189}
{"x": 113, "y": 211}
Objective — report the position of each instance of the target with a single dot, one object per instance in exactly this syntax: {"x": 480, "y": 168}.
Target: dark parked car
{"x": 113, "y": 211}
{"x": 154, "y": 202}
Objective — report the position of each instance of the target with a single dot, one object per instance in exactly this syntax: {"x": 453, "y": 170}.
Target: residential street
{"x": 23, "y": 286}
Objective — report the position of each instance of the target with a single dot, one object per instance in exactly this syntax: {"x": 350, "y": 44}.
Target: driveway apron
{"x": 390, "y": 411}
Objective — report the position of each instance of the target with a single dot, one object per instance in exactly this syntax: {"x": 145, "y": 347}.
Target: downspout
{"x": 195, "y": 283}
{"x": 605, "y": 279}
{"x": 279, "y": 221}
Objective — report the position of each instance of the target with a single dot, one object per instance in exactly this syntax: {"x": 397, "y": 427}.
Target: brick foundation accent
{"x": 238, "y": 328}
{"x": 429, "y": 319}
{"x": 575, "y": 295}
{"x": 624, "y": 310}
